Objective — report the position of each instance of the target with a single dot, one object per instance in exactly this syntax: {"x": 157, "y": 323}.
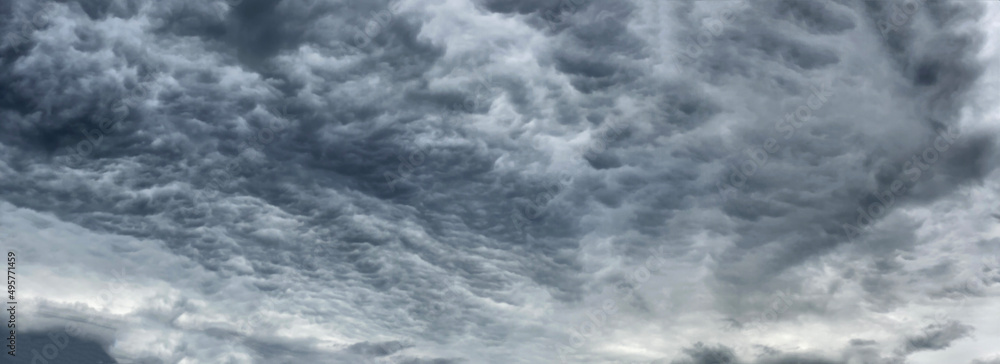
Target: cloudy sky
{"x": 502, "y": 181}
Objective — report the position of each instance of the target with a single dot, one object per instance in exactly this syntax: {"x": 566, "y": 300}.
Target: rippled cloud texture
{"x": 504, "y": 181}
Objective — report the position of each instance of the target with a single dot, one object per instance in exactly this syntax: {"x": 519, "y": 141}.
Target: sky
{"x": 502, "y": 181}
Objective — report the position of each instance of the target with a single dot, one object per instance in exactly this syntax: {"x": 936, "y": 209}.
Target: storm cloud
{"x": 503, "y": 181}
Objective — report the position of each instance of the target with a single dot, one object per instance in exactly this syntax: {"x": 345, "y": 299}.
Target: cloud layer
{"x": 505, "y": 181}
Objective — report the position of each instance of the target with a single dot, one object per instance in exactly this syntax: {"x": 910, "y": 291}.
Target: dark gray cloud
{"x": 937, "y": 336}
{"x": 505, "y": 181}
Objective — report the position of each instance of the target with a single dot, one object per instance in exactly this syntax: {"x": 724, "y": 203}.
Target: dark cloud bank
{"x": 502, "y": 181}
